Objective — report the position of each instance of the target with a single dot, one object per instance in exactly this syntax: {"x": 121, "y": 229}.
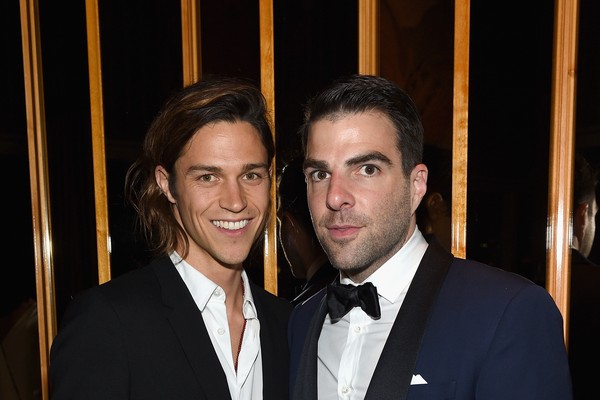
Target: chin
{"x": 347, "y": 268}
{"x": 235, "y": 260}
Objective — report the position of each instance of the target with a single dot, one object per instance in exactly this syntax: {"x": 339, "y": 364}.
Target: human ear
{"x": 162, "y": 180}
{"x": 418, "y": 178}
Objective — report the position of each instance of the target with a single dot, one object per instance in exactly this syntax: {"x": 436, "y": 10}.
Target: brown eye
{"x": 254, "y": 177}
{"x": 318, "y": 175}
{"x": 369, "y": 170}
{"x": 206, "y": 178}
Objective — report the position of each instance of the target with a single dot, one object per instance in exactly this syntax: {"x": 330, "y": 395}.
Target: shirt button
{"x": 345, "y": 390}
{"x": 221, "y": 331}
{"x": 217, "y": 291}
{"x": 357, "y": 329}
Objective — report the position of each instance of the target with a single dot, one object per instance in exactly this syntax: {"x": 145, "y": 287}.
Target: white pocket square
{"x": 418, "y": 380}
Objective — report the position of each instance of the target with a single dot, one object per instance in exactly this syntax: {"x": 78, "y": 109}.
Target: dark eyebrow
{"x": 213, "y": 169}
{"x": 202, "y": 167}
{"x": 360, "y": 159}
{"x": 365, "y": 158}
{"x": 250, "y": 167}
{"x": 315, "y": 164}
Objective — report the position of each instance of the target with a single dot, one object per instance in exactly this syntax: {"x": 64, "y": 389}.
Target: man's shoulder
{"x": 124, "y": 289}
{"x": 484, "y": 273}
{"x": 468, "y": 271}
{"x": 137, "y": 278}
{"x": 479, "y": 281}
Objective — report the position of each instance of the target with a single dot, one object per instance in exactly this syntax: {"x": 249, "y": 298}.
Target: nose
{"x": 339, "y": 193}
{"x": 233, "y": 197}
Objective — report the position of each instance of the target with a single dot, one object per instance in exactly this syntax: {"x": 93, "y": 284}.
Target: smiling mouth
{"x": 231, "y": 225}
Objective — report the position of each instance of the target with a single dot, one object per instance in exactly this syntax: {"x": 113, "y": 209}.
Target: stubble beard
{"x": 384, "y": 236}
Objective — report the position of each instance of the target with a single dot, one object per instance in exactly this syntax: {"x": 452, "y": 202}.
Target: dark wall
{"x": 315, "y": 41}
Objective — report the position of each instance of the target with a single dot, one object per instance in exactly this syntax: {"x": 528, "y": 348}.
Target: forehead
{"x": 351, "y": 134}
{"x": 223, "y": 143}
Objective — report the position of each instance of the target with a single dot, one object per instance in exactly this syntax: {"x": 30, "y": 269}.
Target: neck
{"x": 226, "y": 276}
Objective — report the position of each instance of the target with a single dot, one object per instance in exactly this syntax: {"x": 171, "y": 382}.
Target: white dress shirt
{"x": 247, "y": 383}
{"x": 349, "y": 349}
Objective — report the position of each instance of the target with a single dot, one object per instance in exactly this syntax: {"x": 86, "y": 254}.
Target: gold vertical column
{"x": 98, "y": 146}
{"x": 562, "y": 142}
{"x": 460, "y": 125}
{"x": 190, "y": 41}
{"x": 39, "y": 183}
{"x": 267, "y": 82}
{"x": 368, "y": 37}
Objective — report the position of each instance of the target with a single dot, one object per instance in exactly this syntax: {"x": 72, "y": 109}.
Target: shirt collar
{"x": 201, "y": 288}
{"x": 249, "y": 308}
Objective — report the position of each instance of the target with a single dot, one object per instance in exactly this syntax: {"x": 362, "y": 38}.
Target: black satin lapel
{"x": 305, "y": 387}
{"x": 189, "y": 328}
{"x": 392, "y": 376}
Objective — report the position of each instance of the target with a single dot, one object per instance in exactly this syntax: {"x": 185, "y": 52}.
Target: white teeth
{"x": 231, "y": 225}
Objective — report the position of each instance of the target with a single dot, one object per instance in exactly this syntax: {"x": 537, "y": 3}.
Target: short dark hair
{"x": 356, "y": 94}
{"x": 213, "y": 99}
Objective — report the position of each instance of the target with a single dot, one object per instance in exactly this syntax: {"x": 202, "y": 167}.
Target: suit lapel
{"x": 188, "y": 325}
{"x": 394, "y": 370}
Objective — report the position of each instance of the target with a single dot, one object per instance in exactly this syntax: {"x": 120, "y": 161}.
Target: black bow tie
{"x": 342, "y": 298}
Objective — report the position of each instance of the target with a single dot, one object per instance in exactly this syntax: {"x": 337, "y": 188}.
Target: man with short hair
{"x": 406, "y": 319}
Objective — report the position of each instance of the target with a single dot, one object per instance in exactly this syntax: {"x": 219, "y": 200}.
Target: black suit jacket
{"x": 141, "y": 336}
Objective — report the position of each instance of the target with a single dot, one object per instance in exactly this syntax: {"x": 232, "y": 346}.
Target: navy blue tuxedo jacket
{"x": 486, "y": 334}
{"x": 141, "y": 336}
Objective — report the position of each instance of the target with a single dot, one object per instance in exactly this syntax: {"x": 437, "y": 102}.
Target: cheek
{"x": 267, "y": 195}
{"x": 261, "y": 197}
{"x": 315, "y": 205}
{"x": 316, "y": 195}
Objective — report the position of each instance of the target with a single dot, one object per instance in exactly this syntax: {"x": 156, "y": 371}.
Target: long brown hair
{"x": 216, "y": 99}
